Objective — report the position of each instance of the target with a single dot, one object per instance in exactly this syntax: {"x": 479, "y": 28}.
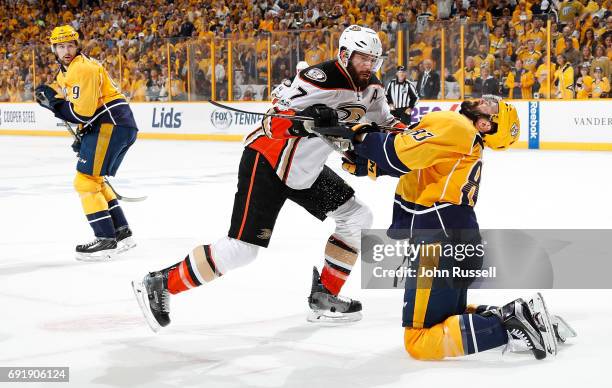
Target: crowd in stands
{"x": 159, "y": 50}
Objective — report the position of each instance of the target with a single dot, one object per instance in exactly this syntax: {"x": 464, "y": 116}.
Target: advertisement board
{"x": 581, "y": 125}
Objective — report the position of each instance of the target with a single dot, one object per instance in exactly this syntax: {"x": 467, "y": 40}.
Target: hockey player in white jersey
{"x": 286, "y": 83}
{"x": 282, "y": 159}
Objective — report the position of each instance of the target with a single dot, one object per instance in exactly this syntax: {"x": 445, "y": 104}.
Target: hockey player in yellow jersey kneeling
{"x": 439, "y": 165}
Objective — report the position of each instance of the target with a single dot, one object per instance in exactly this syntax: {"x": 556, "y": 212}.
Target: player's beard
{"x": 360, "y": 79}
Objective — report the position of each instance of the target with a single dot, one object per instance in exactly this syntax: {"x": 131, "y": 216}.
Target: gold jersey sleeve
{"x": 444, "y": 153}
{"x": 87, "y": 86}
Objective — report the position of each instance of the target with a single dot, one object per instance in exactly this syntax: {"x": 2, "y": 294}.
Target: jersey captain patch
{"x": 316, "y": 74}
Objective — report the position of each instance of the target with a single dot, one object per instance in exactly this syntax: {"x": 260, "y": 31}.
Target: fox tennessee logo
{"x": 316, "y": 75}
{"x": 221, "y": 118}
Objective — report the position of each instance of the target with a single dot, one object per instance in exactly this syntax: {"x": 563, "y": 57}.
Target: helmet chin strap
{"x": 346, "y": 67}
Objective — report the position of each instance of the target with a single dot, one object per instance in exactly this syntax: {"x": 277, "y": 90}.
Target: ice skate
{"x": 125, "y": 241}
{"x": 543, "y": 319}
{"x": 154, "y": 299}
{"x": 100, "y": 249}
{"x": 329, "y": 308}
{"x": 562, "y": 329}
{"x": 520, "y": 320}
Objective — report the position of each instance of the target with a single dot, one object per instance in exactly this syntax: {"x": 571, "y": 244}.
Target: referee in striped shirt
{"x": 401, "y": 96}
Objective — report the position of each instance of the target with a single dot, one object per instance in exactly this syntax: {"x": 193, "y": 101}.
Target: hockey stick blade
{"x": 119, "y": 196}
{"x": 122, "y": 197}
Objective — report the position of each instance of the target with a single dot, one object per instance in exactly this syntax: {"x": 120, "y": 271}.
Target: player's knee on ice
{"x": 434, "y": 343}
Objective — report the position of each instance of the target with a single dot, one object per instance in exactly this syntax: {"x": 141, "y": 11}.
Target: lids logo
{"x": 221, "y": 118}
{"x": 163, "y": 119}
{"x": 316, "y": 74}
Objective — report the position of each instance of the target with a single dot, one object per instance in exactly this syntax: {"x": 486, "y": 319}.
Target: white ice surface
{"x": 248, "y": 329}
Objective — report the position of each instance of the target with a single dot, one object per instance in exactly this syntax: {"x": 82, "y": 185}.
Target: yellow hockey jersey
{"x": 91, "y": 95}
{"x": 444, "y": 153}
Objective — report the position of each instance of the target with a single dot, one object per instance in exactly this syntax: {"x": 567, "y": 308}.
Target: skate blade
{"x": 96, "y": 257}
{"x": 564, "y": 330}
{"x": 326, "y": 317}
{"x": 143, "y": 302}
{"x": 548, "y": 335}
{"x": 126, "y": 244}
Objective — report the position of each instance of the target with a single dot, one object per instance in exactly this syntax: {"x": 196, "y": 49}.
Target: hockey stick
{"x": 290, "y": 117}
{"x": 334, "y": 146}
{"x": 76, "y": 136}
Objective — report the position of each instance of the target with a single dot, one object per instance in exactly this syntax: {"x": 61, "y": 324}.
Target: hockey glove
{"x": 361, "y": 167}
{"x": 46, "y": 97}
{"x": 323, "y": 116}
{"x": 76, "y": 145}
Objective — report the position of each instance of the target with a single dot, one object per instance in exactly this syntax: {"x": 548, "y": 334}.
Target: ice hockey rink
{"x": 248, "y": 329}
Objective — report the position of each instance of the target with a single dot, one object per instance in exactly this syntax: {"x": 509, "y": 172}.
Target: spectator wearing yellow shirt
{"x": 471, "y": 73}
{"x": 538, "y": 34}
{"x": 599, "y": 27}
{"x": 364, "y": 19}
{"x": 520, "y": 81}
{"x": 589, "y": 39}
{"x": 314, "y": 54}
{"x": 483, "y": 57}
{"x": 416, "y": 51}
{"x": 584, "y": 83}
{"x": 396, "y": 7}
{"x": 353, "y": 9}
{"x": 570, "y": 10}
{"x": 138, "y": 88}
{"x": 521, "y": 13}
{"x": 267, "y": 23}
{"x": 601, "y": 84}
{"x": 563, "y": 79}
{"x": 543, "y": 89}
{"x": 484, "y": 14}
{"x": 566, "y": 40}
{"x": 529, "y": 55}
{"x": 497, "y": 42}
{"x": 601, "y": 60}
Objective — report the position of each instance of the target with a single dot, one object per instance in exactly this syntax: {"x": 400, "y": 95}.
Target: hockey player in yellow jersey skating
{"x": 84, "y": 94}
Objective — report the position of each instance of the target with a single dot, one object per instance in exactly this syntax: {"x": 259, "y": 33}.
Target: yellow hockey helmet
{"x": 508, "y": 127}
{"x": 63, "y": 34}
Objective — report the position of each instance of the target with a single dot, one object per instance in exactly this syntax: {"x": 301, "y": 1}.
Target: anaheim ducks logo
{"x": 265, "y": 234}
{"x": 351, "y": 112}
{"x": 316, "y": 75}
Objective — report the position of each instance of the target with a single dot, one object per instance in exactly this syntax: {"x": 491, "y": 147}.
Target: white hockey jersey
{"x": 298, "y": 161}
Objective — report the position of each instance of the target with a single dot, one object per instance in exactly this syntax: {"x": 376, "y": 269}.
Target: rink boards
{"x": 564, "y": 125}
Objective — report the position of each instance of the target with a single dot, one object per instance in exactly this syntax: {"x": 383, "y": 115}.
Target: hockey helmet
{"x": 363, "y": 40}
{"x": 63, "y": 34}
{"x": 507, "y": 128}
